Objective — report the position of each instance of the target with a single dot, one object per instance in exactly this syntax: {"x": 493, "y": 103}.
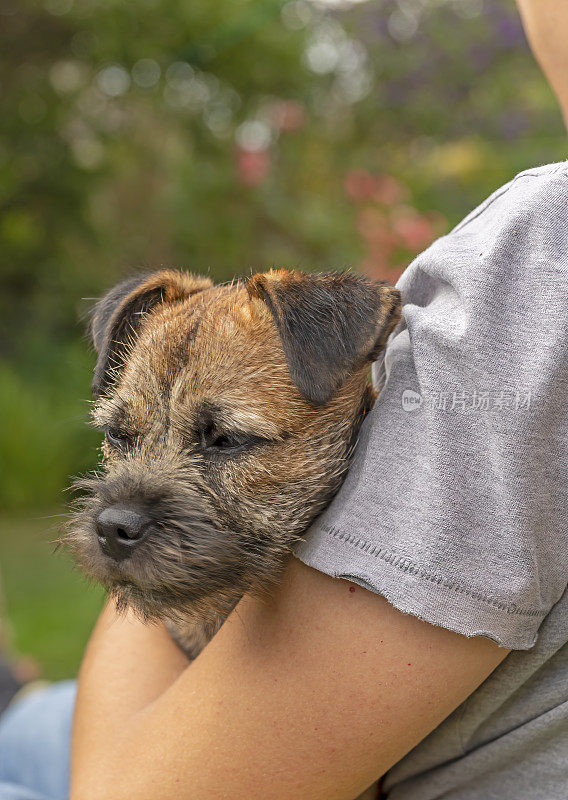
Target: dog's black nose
{"x": 120, "y": 530}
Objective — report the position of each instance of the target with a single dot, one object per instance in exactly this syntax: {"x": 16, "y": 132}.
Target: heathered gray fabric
{"x": 456, "y": 506}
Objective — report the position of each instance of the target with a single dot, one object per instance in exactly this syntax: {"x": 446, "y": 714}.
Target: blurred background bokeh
{"x": 225, "y": 137}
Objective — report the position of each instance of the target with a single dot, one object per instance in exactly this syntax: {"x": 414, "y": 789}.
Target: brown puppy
{"x": 230, "y": 415}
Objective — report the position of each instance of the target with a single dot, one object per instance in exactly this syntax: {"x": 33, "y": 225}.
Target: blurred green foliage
{"x": 227, "y": 137}
{"x": 44, "y": 439}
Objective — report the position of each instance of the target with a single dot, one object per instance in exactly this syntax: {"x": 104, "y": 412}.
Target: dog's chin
{"x": 138, "y": 585}
{"x": 186, "y": 567}
{"x": 199, "y": 586}
{"x": 153, "y": 605}
{"x": 171, "y": 603}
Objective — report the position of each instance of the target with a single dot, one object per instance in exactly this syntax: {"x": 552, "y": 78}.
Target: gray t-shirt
{"x": 456, "y": 505}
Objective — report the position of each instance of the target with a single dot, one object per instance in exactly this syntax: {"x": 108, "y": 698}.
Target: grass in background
{"x": 50, "y": 606}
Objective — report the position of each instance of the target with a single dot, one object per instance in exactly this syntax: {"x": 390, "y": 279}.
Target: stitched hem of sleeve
{"x": 415, "y": 590}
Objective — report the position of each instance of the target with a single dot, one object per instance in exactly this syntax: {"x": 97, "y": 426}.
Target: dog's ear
{"x": 118, "y": 315}
{"x": 330, "y": 324}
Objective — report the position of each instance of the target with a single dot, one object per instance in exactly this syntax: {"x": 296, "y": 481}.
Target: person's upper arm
{"x": 312, "y": 694}
{"x": 546, "y": 25}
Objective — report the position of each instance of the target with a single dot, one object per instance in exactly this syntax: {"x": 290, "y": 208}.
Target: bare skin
{"x": 546, "y": 26}
{"x": 313, "y": 694}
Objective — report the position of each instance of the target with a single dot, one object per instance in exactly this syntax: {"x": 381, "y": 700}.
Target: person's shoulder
{"x": 525, "y": 217}
{"x": 535, "y": 195}
{"x": 514, "y": 239}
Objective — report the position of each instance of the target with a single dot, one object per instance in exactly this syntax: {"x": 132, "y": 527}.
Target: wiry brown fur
{"x": 180, "y": 361}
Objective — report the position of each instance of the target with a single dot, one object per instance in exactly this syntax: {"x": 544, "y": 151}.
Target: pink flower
{"x": 413, "y": 229}
{"x": 359, "y": 184}
{"x": 389, "y": 191}
{"x": 252, "y": 166}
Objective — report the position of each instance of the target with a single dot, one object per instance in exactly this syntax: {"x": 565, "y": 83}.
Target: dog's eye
{"x": 216, "y": 441}
{"x": 224, "y": 442}
{"x": 117, "y": 439}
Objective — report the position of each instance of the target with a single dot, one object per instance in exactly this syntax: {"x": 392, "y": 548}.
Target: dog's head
{"x": 230, "y": 414}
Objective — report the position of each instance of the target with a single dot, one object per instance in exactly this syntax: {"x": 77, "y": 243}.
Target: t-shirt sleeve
{"x": 455, "y": 507}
